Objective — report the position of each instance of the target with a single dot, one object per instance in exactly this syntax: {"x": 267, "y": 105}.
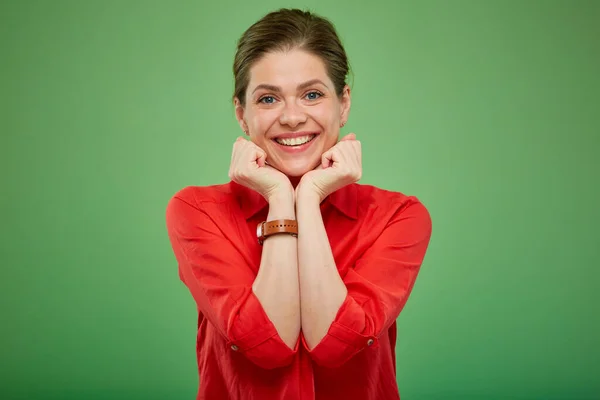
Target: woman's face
{"x": 292, "y": 111}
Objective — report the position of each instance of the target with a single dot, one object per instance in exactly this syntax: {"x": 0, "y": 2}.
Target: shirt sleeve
{"x": 378, "y": 287}
{"x": 220, "y": 280}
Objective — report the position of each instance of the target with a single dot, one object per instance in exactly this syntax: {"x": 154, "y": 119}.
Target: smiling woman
{"x": 298, "y": 271}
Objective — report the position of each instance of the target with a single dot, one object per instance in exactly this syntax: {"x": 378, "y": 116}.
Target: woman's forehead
{"x": 288, "y": 70}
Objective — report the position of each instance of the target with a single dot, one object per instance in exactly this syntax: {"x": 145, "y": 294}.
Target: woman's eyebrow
{"x": 301, "y": 86}
{"x": 310, "y": 83}
{"x": 270, "y": 88}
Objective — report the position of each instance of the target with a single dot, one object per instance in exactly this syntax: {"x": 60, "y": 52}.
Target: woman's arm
{"x": 322, "y": 291}
{"x": 220, "y": 276}
{"x": 276, "y": 284}
{"x": 322, "y": 288}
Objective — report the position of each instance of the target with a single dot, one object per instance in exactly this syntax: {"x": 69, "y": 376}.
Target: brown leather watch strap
{"x": 266, "y": 229}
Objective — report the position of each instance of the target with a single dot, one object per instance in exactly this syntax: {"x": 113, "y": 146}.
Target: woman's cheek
{"x": 265, "y": 118}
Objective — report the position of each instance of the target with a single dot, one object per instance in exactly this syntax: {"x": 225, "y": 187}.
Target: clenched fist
{"x": 249, "y": 168}
{"x": 340, "y": 166}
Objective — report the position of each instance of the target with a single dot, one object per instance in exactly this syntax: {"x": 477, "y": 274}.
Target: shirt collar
{"x": 251, "y": 203}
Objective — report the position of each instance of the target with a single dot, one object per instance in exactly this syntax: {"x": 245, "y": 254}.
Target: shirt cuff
{"x": 257, "y": 338}
{"x": 349, "y": 333}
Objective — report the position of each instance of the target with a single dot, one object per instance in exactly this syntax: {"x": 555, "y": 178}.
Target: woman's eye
{"x": 267, "y": 100}
{"x": 313, "y": 95}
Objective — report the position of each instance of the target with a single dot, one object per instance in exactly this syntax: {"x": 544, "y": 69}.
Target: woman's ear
{"x": 346, "y": 101}
{"x": 239, "y": 115}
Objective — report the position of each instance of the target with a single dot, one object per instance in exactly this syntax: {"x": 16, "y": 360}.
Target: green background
{"x": 488, "y": 111}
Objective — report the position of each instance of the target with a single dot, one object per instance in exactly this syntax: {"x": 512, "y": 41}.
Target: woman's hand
{"x": 248, "y": 168}
{"x": 340, "y": 166}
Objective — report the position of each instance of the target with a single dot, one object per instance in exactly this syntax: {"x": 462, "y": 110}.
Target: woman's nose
{"x": 292, "y": 115}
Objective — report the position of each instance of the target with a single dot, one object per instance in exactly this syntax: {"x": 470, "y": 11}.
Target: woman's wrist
{"x": 305, "y": 195}
{"x": 281, "y": 205}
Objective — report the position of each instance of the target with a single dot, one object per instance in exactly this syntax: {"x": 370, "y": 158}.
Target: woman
{"x": 298, "y": 272}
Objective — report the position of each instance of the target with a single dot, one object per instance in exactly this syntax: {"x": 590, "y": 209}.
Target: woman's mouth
{"x": 297, "y": 141}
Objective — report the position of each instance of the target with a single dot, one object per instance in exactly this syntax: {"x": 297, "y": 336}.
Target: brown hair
{"x": 286, "y": 29}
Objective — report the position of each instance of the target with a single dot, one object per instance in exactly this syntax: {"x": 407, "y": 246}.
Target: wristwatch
{"x": 266, "y": 229}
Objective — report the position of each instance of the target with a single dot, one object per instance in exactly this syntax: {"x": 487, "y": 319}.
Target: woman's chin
{"x": 297, "y": 171}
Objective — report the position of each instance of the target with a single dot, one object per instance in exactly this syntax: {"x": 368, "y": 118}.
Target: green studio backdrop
{"x": 487, "y": 111}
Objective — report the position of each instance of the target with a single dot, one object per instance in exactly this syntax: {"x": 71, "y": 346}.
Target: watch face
{"x": 259, "y": 230}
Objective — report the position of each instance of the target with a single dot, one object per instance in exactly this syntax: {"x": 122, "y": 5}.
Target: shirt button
{"x": 370, "y": 342}
{"x": 234, "y": 347}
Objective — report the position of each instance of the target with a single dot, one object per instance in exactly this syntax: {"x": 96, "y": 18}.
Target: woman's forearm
{"x": 276, "y": 284}
{"x": 322, "y": 290}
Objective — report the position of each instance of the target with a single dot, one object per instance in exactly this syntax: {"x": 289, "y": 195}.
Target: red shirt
{"x": 378, "y": 239}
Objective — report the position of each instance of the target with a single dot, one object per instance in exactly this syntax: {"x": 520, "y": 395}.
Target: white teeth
{"x": 295, "y": 141}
